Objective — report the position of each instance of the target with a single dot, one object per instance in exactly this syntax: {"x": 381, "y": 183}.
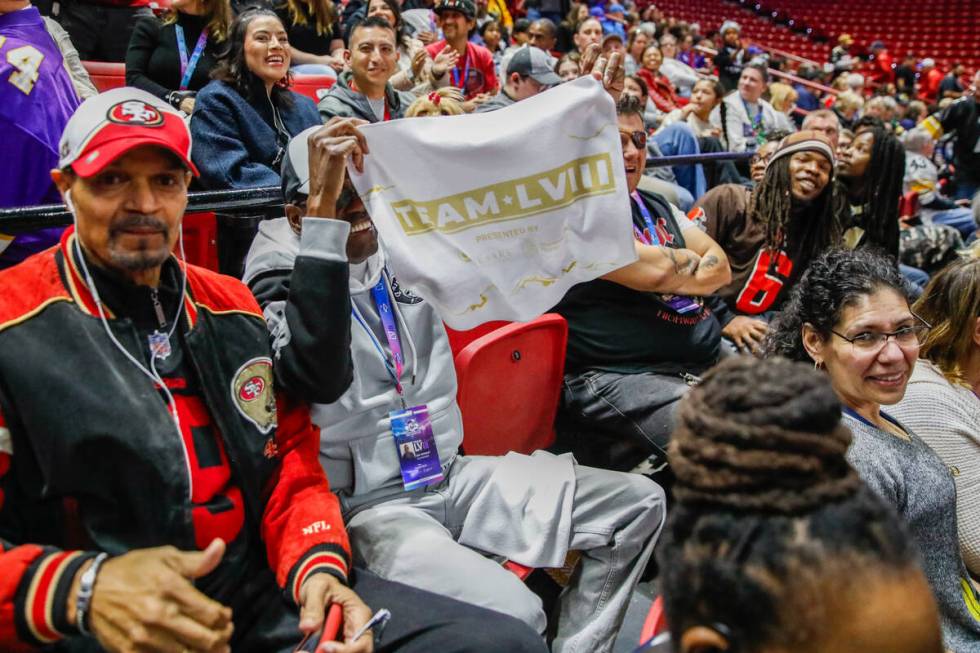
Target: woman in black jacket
{"x": 172, "y": 57}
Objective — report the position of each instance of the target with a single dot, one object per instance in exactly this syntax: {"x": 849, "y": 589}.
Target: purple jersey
{"x": 36, "y": 100}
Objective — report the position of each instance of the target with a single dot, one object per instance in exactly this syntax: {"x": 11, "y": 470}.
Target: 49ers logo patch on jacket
{"x": 251, "y": 392}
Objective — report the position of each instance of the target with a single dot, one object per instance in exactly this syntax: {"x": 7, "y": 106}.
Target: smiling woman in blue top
{"x": 244, "y": 118}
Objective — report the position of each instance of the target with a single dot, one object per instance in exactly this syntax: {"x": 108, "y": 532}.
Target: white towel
{"x": 495, "y": 216}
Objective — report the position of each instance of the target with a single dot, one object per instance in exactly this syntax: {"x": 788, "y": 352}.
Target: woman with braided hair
{"x": 770, "y": 233}
{"x": 849, "y": 314}
{"x": 774, "y": 543}
{"x": 870, "y": 174}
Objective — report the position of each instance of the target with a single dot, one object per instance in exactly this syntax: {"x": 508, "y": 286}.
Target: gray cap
{"x": 295, "y": 170}
{"x": 534, "y": 63}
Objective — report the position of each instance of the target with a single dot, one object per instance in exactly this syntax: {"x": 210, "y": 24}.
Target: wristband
{"x": 84, "y": 599}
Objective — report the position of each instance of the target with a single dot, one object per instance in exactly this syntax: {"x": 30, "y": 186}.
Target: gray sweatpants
{"x": 532, "y": 510}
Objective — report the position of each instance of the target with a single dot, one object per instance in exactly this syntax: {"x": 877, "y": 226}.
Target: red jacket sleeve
{"x": 302, "y": 526}
{"x": 34, "y": 581}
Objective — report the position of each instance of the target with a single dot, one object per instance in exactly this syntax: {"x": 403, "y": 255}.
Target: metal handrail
{"x": 249, "y": 201}
{"x": 689, "y": 159}
{"x": 778, "y": 73}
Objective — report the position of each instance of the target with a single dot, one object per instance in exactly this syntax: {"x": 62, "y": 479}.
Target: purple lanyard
{"x": 648, "y": 219}
{"x": 383, "y": 300}
{"x": 187, "y": 67}
{"x": 461, "y": 83}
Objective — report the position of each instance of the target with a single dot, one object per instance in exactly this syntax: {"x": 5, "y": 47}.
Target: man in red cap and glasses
{"x": 156, "y": 492}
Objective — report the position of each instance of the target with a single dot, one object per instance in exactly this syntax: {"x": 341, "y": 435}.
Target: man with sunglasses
{"x": 374, "y": 359}
{"x": 640, "y": 335}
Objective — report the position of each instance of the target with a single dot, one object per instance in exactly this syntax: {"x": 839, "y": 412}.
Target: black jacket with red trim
{"x": 90, "y": 460}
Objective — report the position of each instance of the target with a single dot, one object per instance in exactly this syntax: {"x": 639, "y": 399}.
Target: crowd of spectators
{"x": 207, "y": 464}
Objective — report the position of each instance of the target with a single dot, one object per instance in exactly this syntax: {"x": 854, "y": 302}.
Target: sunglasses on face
{"x": 639, "y": 139}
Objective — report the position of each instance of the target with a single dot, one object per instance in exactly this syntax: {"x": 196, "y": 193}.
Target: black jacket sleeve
{"x": 145, "y": 39}
{"x": 308, "y": 309}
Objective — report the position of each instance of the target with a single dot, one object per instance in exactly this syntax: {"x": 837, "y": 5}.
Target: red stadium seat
{"x": 656, "y": 621}
{"x": 106, "y": 75}
{"x": 201, "y": 240}
{"x": 509, "y": 382}
{"x": 459, "y": 339}
{"x": 908, "y": 206}
{"x": 312, "y": 86}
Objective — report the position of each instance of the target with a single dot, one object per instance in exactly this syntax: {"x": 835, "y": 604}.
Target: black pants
{"x": 100, "y": 32}
{"x": 420, "y": 622}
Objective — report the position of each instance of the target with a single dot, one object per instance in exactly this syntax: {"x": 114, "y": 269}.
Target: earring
{"x": 818, "y": 365}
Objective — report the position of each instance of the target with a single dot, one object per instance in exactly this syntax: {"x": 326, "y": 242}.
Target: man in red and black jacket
{"x": 156, "y": 492}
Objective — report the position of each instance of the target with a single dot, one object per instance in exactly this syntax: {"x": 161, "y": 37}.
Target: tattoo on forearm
{"x": 683, "y": 264}
{"x": 709, "y": 262}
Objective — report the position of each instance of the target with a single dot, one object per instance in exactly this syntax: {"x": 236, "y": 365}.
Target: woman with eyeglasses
{"x": 850, "y": 316}
{"x": 942, "y": 403}
{"x": 759, "y": 160}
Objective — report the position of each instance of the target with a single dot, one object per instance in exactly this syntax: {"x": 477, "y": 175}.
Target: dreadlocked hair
{"x": 772, "y": 204}
{"x": 882, "y": 189}
{"x": 767, "y": 508}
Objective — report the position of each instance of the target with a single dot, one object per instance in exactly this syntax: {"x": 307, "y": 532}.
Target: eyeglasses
{"x": 759, "y": 158}
{"x": 639, "y": 139}
{"x": 873, "y": 341}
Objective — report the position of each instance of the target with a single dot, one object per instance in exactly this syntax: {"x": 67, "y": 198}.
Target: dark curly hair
{"x": 233, "y": 70}
{"x": 835, "y": 279}
{"x": 768, "y": 509}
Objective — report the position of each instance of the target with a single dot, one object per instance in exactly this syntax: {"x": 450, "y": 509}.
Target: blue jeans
{"x": 677, "y": 139}
{"x": 915, "y": 277}
{"x": 641, "y": 407}
{"x": 960, "y": 219}
{"x": 965, "y": 190}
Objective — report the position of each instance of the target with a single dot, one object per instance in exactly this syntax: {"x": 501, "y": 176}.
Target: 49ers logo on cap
{"x": 135, "y": 112}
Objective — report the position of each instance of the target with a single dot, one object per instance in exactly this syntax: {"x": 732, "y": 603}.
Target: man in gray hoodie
{"x": 433, "y": 519}
{"x": 364, "y": 92}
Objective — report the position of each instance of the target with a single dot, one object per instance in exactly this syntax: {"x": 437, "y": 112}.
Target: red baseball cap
{"x": 110, "y": 124}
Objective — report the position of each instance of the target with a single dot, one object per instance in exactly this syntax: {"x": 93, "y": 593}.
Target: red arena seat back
{"x": 656, "y": 621}
{"x": 459, "y": 339}
{"x": 201, "y": 240}
{"x": 106, "y": 75}
{"x": 312, "y": 86}
{"x": 509, "y": 383}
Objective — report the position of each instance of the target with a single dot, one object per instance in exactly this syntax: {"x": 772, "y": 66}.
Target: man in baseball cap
{"x": 124, "y": 167}
{"x": 110, "y": 124}
{"x": 530, "y": 71}
{"x": 149, "y": 403}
